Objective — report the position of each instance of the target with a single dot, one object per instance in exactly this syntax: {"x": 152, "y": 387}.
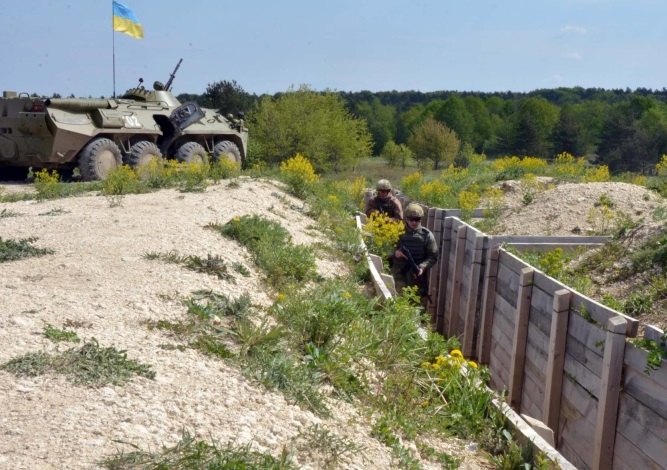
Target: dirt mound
{"x": 99, "y": 280}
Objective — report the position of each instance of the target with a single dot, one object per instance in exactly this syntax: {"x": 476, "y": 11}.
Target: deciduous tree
{"x": 435, "y": 142}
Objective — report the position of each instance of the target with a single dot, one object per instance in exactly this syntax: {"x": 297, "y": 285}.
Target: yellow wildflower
{"x": 472, "y": 364}
{"x": 456, "y": 353}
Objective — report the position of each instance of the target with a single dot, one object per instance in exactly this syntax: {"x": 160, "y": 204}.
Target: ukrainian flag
{"x": 126, "y": 22}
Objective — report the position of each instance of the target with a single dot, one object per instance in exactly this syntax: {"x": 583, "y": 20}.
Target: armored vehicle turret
{"x": 99, "y": 134}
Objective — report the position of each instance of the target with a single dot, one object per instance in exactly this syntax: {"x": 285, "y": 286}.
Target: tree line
{"x": 623, "y": 129}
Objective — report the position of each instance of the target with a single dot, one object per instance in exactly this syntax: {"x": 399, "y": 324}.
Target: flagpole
{"x": 113, "y": 53}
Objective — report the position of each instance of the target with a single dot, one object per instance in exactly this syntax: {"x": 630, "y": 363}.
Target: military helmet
{"x": 414, "y": 210}
{"x": 383, "y": 185}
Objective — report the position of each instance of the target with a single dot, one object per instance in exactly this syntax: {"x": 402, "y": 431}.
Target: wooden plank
{"x": 582, "y": 375}
{"x": 610, "y": 389}
{"x": 578, "y": 433}
{"x": 471, "y": 304}
{"x": 548, "y": 247}
{"x": 532, "y": 391}
{"x": 528, "y": 435}
{"x": 579, "y": 400}
{"x": 548, "y": 284}
{"x": 585, "y": 340}
{"x": 539, "y": 239}
{"x": 640, "y": 387}
{"x": 512, "y": 262}
{"x": 556, "y": 361}
{"x": 456, "y": 282}
{"x": 442, "y": 278}
{"x": 541, "y": 429}
{"x": 520, "y": 337}
{"x": 571, "y": 455}
{"x": 498, "y": 361}
{"x": 654, "y": 333}
{"x": 377, "y": 262}
{"x": 435, "y": 216}
{"x": 507, "y": 284}
{"x": 648, "y": 443}
{"x": 537, "y": 353}
{"x": 630, "y": 456}
{"x": 648, "y": 419}
{"x": 488, "y": 302}
{"x": 505, "y": 318}
{"x": 389, "y": 281}
{"x": 602, "y": 314}
{"x": 637, "y": 359}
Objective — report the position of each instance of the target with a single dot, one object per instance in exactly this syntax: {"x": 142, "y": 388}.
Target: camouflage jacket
{"x": 392, "y": 207}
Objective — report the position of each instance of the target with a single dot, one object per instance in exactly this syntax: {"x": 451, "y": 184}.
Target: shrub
{"x": 120, "y": 181}
{"x": 299, "y": 175}
{"x": 396, "y": 154}
{"x": 47, "y": 184}
{"x": 224, "y": 169}
{"x": 193, "y": 177}
{"x": 381, "y": 234}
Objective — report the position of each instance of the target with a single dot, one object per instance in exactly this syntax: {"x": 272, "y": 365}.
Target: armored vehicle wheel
{"x": 142, "y": 153}
{"x": 192, "y": 152}
{"x": 97, "y": 158}
{"x": 226, "y": 149}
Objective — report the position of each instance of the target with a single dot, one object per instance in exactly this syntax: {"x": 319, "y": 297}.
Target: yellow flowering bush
{"x": 513, "y": 167}
{"x": 567, "y": 165}
{"x": 193, "y": 176}
{"x": 224, "y": 168}
{"x": 454, "y": 173}
{"x": 47, "y": 184}
{"x": 433, "y": 193}
{"x": 120, "y": 181}
{"x": 661, "y": 166}
{"x": 299, "y": 175}
{"x": 493, "y": 202}
{"x": 357, "y": 190}
{"x": 410, "y": 184}
{"x": 468, "y": 202}
{"x": 597, "y": 175}
{"x": 381, "y": 233}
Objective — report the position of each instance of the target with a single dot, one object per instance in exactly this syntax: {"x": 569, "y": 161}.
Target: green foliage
{"x": 47, "y": 184}
{"x": 57, "y": 335}
{"x": 88, "y": 365}
{"x": 321, "y": 441}
{"x": 313, "y": 124}
{"x": 381, "y": 234}
{"x": 120, "y": 181}
{"x": 272, "y": 250}
{"x": 213, "y": 265}
{"x": 224, "y": 169}
{"x": 12, "y": 250}
{"x": 191, "y": 453}
{"x": 657, "y": 352}
{"x": 193, "y": 177}
{"x": 434, "y": 142}
{"x": 299, "y": 175}
{"x": 396, "y": 154}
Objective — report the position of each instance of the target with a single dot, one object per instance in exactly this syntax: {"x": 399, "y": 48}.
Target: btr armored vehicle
{"x": 96, "y": 135}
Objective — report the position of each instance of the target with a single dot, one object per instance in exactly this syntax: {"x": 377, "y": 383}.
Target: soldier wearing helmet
{"x": 416, "y": 252}
{"x": 385, "y": 202}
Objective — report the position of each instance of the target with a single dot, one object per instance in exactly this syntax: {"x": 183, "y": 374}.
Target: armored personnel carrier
{"x": 96, "y": 135}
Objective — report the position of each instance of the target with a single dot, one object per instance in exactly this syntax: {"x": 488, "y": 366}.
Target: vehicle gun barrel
{"x": 74, "y": 104}
{"x": 172, "y": 75}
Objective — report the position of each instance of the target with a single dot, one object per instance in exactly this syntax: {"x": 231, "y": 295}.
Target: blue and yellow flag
{"x": 126, "y": 22}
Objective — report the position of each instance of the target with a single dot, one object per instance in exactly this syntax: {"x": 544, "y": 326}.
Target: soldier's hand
{"x": 421, "y": 271}
{"x": 399, "y": 254}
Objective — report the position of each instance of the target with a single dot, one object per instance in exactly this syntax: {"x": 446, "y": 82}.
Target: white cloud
{"x": 574, "y": 30}
{"x": 574, "y": 55}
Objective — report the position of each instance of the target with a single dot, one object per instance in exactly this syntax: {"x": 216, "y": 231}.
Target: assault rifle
{"x": 422, "y": 281}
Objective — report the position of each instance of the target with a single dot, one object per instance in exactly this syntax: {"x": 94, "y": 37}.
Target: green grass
{"x": 88, "y": 365}
{"x": 57, "y": 335}
{"x": 191, "y": 453}
{"x": 13, "y": 250}
{"x": 213, "y": 265}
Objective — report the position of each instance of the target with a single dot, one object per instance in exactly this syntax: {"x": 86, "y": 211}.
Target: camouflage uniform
{"x": 421, "y": 244}
{"x": 391, "y": 206}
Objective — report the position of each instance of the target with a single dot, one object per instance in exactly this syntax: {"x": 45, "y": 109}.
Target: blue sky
{"x": 66, "y": 46}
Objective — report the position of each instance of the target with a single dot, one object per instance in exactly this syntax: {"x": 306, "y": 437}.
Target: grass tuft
{"x": 88, "y": 365}
{"x": 12, "y": 250}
